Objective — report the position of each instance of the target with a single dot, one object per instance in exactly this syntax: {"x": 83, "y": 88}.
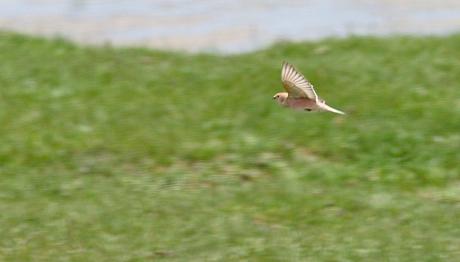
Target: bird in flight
{"x": 300, "y": 93}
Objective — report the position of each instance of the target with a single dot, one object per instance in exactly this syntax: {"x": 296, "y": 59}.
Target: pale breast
{"x": 301, "y": 103}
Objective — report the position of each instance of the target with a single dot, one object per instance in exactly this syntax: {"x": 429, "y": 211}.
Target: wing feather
{"x": 295, "y": 83}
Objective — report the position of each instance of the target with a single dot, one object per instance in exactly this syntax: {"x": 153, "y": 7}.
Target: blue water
{"x": 224, "y": 25}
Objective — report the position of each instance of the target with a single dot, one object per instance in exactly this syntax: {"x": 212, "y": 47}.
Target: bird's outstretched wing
{"x": 296, "y": 84}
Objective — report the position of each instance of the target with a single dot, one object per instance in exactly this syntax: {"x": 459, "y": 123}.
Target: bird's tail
{"x": 330, "y": 109}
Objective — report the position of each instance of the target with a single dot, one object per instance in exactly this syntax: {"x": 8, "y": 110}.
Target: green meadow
{"x": 131, "y": 154}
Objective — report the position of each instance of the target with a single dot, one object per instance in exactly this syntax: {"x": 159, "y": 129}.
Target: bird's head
{"x": 280, "y": 97}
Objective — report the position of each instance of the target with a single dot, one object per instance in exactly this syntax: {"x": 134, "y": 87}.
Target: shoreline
{"x": 227, "y": 28}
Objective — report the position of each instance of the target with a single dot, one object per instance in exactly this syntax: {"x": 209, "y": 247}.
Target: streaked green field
{"x": 111, "y": 154}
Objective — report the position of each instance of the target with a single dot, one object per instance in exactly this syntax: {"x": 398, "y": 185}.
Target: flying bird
{"x": 300, "y": 93}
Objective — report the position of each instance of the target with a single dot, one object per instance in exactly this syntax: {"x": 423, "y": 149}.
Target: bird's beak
{"x": 274, "y": 97}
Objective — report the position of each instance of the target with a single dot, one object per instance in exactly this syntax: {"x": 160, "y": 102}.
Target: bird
{"x": 300, "y": 94}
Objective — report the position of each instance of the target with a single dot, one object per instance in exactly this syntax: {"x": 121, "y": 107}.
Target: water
{"x": 228, "y": 26}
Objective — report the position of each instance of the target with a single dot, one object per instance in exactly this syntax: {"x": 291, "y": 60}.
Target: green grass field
{"x": 110, "y": 154}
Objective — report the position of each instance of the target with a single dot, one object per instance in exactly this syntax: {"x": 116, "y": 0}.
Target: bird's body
{"x": 300, "y": 93}
{"x": 296, "y": 103}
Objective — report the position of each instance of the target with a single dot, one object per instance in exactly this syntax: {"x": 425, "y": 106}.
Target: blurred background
{"x": 224, "y": 26}
{"x": 114, "y": 146}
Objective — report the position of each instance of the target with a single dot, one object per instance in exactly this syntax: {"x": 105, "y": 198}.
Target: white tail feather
{"x": 330, "y": 109}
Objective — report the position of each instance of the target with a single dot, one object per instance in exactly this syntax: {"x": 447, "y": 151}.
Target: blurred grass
{"x": 114, "y": 154}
